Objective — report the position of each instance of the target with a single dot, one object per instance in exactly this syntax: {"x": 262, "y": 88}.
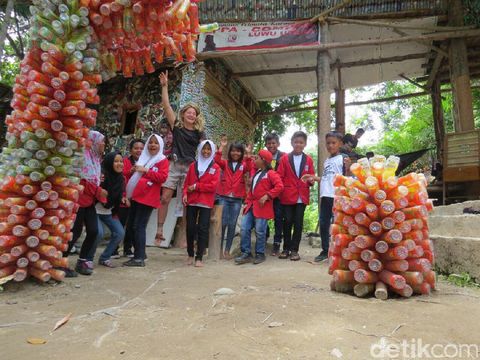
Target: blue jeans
{"x": 116, "y": 238}
{"x": 248, "y": 222}
{"x": 231, "y": 210}
{"x": 326, "y": 215}
{"x": 137, "y": 227}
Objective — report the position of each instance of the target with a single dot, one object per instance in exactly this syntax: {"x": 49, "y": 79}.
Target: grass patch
{"x": 463, "y": 280}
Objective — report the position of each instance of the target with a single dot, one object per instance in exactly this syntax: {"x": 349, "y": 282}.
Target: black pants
{"x": 138, "y": 217}
{"x": 293, "y": 218}
{"x": 278, "y": 223}
{"x": 326, "y": 215}
{"x": 123, "y": 217}
{"x": 203, "y": 215}
{"x": 85, "y": 216}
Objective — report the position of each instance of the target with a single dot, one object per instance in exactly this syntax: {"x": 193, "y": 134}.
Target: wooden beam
{"x": 337, "y": 65}
{"x": 435, "y": 67}
{"x": 342, "y": 45}
{"x": 413, "y": 82}
{"x": 358, "y": 103}
{"x": 426, "y": 43}
{"x": 339, "y": 104}
{"x": 321, "y": 17}
{"x": 397, "y": 26}
{"x": 438, "y": 121}
{"x": 460, "y": 74}
{"x": 4, "y": 28}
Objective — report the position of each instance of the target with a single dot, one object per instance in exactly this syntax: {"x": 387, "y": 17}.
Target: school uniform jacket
{"x": 232, "y": 181}
{"x": 270, "y": 184}
{"x": 147, "y": 191}
{"x": 127, "y": 166}
{"x": 294, "y": 187}
{"x": 206, "y": 185}
{"x": 91, "y": 193}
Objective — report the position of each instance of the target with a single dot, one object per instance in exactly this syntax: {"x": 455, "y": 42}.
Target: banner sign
{"x": 248, "y": 36}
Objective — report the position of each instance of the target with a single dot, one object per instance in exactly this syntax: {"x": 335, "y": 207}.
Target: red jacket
{"x": 127, "y": 167}
{"x": 294, "y": 187}
{"x": 232, "y": 183}
{"x": 147, "y": 191}
{"x": 269, "y": 184}
{"x": 206, "y": 185}
{"x": 90, "y": 193}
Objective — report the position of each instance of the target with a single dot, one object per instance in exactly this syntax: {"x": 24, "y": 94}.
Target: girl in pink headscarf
{"x": 87, "y": 215}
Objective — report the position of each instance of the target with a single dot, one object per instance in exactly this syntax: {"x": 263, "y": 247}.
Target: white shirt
{"x": 102, "y": 210}
{"x": 331, "y": 167}
{"x": 297, "y": 161}
{"x": 234, "y": 165}
{"x": 255, "y": 179}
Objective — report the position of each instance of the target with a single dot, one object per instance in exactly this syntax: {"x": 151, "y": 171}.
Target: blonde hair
{"x": 199, "y": 122}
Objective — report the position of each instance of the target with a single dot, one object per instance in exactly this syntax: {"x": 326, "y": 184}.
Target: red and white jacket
{"x": 293, "y": 186}
{"x": 232, "y": 181}
{"x": 147, "y": 191}
{"x": 205, "y": 186}
{"x": 127, "y": 174}
{"x": 91, "y": 193}
{"x": 269, "y": 184}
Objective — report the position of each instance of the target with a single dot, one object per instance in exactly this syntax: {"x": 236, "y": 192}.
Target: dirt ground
{"x": 169, "y": 311}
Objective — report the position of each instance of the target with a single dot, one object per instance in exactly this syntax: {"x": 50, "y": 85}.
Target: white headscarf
{"x": 147, "y": 160}
{"x": 202, "y": 163}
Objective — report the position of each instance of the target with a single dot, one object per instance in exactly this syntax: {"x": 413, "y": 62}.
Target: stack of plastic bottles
{"x": 132, "y": 32}
{"x": 379, "y": 238}
{"x": 46, "y": 134}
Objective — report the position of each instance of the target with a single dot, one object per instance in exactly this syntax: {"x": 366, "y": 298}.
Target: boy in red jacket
{"x": 266, "y": 186}
{"x": 199, "y": 196}
{"x": 296, "y": 194}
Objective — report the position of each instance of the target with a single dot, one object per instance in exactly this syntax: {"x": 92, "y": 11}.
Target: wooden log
{"x": 215, "y": 233}
{"x": 340, "y": 104}
{"x": 438, "y": 121}
{"x": 323, "y": 105}
{"x": 383, "y": 24}
{"x": 344, "y": 44}
{"x": 363, "y": 290}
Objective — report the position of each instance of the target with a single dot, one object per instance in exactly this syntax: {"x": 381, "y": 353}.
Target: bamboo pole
{"x": 321, "y": 17}
{"x": 438, "y": 121}
{"x": 397, "y": 26}
{"x": 342, "y": 45}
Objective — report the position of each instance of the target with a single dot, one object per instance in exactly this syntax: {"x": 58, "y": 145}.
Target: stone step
{"x": 457, "y": 254}
{"x": 465, "y": 225}
{"x": 454, "y": 209}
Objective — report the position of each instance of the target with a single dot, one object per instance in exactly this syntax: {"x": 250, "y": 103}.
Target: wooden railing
{"x": 273, "y": 10}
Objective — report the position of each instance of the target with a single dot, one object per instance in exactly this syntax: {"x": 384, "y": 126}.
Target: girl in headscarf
{"x": 143, "y": 188}
{"x": 86, "y": 215}
{"x": 199, "y": 196}
{"x": 108, "y": 211}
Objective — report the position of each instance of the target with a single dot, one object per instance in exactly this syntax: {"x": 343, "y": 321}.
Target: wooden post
{"x": 4, "y": 28}
{"x": 438, "y": 122}
{"x": 215, "y": 233}
{"x": 459, "y": 73}
{"x": 340, "y": 105}
{"x": 324, "y": 105}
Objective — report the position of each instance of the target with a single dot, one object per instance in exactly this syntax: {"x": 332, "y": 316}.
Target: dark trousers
{"x": 85, "y": 216}
{"x": 137, "y": 228}
{"x": 278, "y": 223}
{"x": 293, "y": 219}
{"x": 203, "y": 227}
{"x": 123, "y": 217}
{"x": 326, "y": 215}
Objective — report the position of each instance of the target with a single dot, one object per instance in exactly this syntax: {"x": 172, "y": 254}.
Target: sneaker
{"x": 69, "y": 273}
{"x": 128, "y": 254}
{"x": 83, "y": 268}
{"x": 243, "y": 259}
{"x": 115, "y": 255}
{"x": 294, "y": 256}
{"x": 107, "y": 263}
{"x": 323, "y": 256}
{"x": 134, "y": 263}
{"x": 275, "y": 250}
{"x": 259, "y": 258}
{"x": 284, "y": 255}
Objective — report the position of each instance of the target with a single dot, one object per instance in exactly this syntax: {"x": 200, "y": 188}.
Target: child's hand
{"x": 223, "y": 141}
{"x": 310, "y": 178}
{"x": 163, "y": 78}
{"x": 263, "y": 200}
{"x": 184, "y": 200}
{"x": 103, "y": 193}
{"x": 347, "y": 162}
{"x": 102, "y": 178}
{"x": 190, "y": 188}
{"x": 141, "y": 169}
{"x": 126, "y": 202}
{"x": 249, "y": 149}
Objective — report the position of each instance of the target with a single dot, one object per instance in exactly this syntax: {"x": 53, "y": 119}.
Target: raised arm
{"x": 169, "y": 113}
